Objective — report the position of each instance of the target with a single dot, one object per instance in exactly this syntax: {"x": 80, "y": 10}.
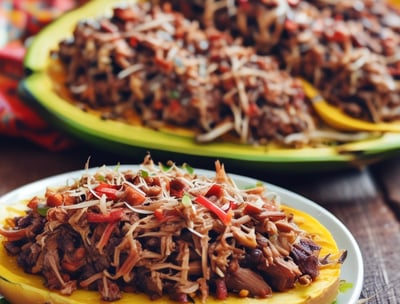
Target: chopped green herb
{"x": 186, "y": 200}
{"x": 345, "y": 286}
{"x": 174, "y": 94}
{"x": 165, "y": 168}
{"x": 258, "y": 184}
{"x": 188, "y": 168}
{"x": 143, "y": 173}
{"x": 42, "y": 210}
{"x": 100, "y": 178}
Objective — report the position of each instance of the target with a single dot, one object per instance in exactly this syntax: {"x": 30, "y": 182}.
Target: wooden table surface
{"x": 366, "y": 200}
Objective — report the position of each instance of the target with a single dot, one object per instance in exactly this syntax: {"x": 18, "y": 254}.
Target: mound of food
{"x": 227, "y": 70}
{"x": 166, "y": 232}
{"x": 170, "y": 71}
{"x": 348, "y": 50}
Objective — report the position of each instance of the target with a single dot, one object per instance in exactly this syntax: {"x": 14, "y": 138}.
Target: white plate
{"x": 352, "y": 270}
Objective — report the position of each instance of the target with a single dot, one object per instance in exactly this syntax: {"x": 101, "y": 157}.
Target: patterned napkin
{"x": 20, "y": 20}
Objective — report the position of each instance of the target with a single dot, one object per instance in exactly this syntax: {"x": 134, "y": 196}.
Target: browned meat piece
{"x": 109, "y": 290}
{"x": 239, "y": 278}
{"x": 281, "y": 274}
{"x": 305, "y": 254}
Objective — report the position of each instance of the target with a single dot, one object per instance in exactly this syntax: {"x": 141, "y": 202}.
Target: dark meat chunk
{"x": 282, "y": 274}
{"x": 148, "y": 283}
{"x": 109, "y": 290}
{"x": 305, "y": 254}
{"x": 239, "y": 278}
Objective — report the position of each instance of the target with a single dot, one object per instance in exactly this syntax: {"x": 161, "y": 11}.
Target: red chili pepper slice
{"x": 253, "y": 109}
{"x": 291, "y": 26}
{"x": 216, "y": 190}
{"x": 133, "y": 42}
{"x": 110, "y": 191}
{"x": 232, "y": 206}
{"x": 338, "y": 36}
{"x": 244, "y": 5}
{"x": 132, "y": 196}
{"x": 33, "y": 203}
{"x": 174, "y": 106}
{"x": 166, "y": 215}
{"x": 225, "y": 217}
{"x": 113, "y": 216}
{"x": 159, "y": 214}
{"x": 252, "y": 209}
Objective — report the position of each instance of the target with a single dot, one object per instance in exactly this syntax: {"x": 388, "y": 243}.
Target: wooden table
{"x": 366, "y": 200}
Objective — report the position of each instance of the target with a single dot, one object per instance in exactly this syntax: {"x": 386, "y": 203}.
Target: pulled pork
{"x": 170, "y": 71}
{"x": 347, "y": 49}
{"x": 163, "y": 232}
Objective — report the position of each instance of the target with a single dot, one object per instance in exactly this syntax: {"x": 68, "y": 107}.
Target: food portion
{"x": 169, "y": 71}
{"x": 349, "y": 54}
{"x": 169, "y": 233}
{"x": 230, "y": 70}
{"x": 347, "y": 49}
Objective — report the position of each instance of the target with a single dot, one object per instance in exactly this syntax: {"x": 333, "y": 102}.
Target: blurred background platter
{"x": 118, "y": 137}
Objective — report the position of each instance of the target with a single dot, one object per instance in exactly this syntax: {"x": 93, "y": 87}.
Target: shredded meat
{"x": 347, "y": 49}
{"x": 197, "y": 236}
{"x": 168, "y": 70}
{"x": 305, "y": 254}
{"x": 239, "y": 279}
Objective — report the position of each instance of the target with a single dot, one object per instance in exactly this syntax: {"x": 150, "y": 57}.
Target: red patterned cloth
{"x": 20, "y": 20}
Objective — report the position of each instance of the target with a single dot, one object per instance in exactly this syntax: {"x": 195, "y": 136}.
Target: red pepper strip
{"x": 33, "y": 203}
{"x": 114, "y": 215}
{"x": 174, "y": 105}
{"x": 132, "y": 196}
{"x": 253, "y": 109}
{"x": 291, "y": 26}
{"x": 232, "y": 206}
{"x": 109, "y": 190}
{"x": 221, "y": 214}
{"x": 216, "y": 190}
{"x": 167, "y": 215}
{"x": 252, "y": 209}
{"x": 159, "y": 214}
{"x": 338, "y": 36}
{"x": 106, "y": 235}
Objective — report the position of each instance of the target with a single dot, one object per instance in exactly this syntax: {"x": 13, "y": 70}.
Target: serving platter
{"x": 352, "y": 272}
{"x": 118, "y": 137}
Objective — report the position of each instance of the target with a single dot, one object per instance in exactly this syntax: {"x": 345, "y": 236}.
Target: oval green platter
{"x": 119, "y": 137}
